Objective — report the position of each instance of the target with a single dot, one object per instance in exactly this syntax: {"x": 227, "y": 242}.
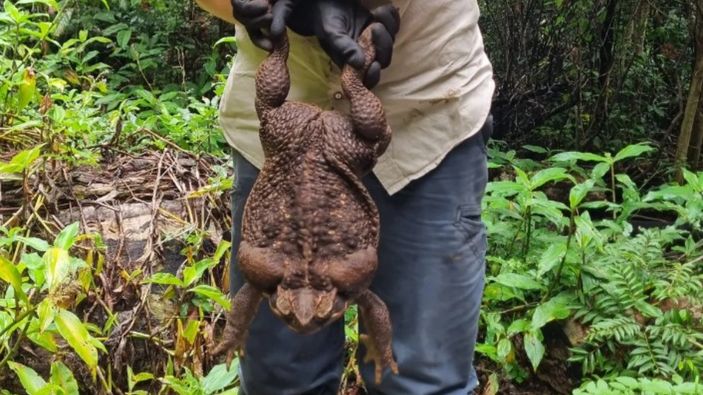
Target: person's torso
{"x": 436, "y": 92}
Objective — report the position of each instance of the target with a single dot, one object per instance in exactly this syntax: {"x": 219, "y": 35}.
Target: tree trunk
{"x": 693, "y": 102}
{"x": 694, "y": 154}
{"x": 605, "y": 67}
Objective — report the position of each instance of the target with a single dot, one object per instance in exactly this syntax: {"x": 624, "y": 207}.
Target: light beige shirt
{"x": 437, "y": 91}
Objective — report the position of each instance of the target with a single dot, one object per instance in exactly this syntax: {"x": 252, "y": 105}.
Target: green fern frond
{"x": 622, "y": 329}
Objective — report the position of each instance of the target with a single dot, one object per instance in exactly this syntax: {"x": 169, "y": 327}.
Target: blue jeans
{"x": 431, "y": 276}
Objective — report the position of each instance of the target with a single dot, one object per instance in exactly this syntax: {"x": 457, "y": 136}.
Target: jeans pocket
{"x": 468, "y": 222}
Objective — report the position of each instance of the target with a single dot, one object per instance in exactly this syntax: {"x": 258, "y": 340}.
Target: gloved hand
{"x": 337, "y": 24}
{"x": 263, "y": 19}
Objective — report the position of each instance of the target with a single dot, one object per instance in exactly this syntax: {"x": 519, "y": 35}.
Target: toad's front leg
{"x": 378, "y": 340}
{"x": 367, "y": 113}
{"x": 244, "y": 307}
{"x": 273, "y": 79}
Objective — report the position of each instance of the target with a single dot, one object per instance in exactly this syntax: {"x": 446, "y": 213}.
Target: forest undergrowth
{"x": 114, "y": 229}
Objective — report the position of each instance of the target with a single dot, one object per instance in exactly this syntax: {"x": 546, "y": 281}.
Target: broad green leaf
{"x": 143, "y": 376}
{"x": 548, "y": 175}
{"x": 585, "y": 231}
{"x": 164, "y": 279}
{"x": 58, "y": 266}
{"x": 501, "y": 293}
{"x": 602, "y": 387}
{"x": 583, "y": 156}
{"x": 553, "y": 211}
{"x": 62, "y": 376}
{"x": 146, "y": 95}
{"x": 632, "y": 151}
{"x": 11, "y": 10}
{"x": 492, "y": 386}
{"x": 123, "y": 37}
{"x": 222, "y": 248}
{"x": 487, "y": 350}
{"x": 30, "y": 380}
{"x": 95, "y": 342}
{"x": 688, "y": 388}
{"x": 556, "y": 308}
{"x": 36, "y": 243}
{"x": 517, "y": 281}
{"x": 551, "y": 257}
{"x": 534, "y": 349}
{"x": 115, "y": 28}
{"x": 578, "y": 193}
{"x": 191, "y": 274}
{"x": 693, "y": 180}
{"x": 220, "y": 377}
{"x": 656, "y": 386}
{"x": 36, "y": 268}
{"x": 45, "y": 340}
{"x": 518, "y": 326}
{"x": 21, "y": 161}
{"x": 27, "y": 88}
{"x": 74, "y": 331}
{"x": 669, "y": 192}
{"x": 505, "y": 188}
{"x": 67, "y": 237}
{"x": 626, "y": 181}
{"x": 521, "y": 177}
{"x": 212, "y": 293}
{"x": 627, "y": 381}
{"x": 600, "y": 170}
{"x": 505, "y": 347}
{"x": 10, "y": 274}
{"x": 46, "y": 311}
{"x": 191, "y": 330}
{"x": 535, "y": 149}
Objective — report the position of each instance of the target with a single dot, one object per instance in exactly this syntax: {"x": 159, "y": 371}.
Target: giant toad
{"x": 310, "y": 228}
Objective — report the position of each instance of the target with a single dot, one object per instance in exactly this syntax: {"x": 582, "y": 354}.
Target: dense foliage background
{"x": 114, "y": 205}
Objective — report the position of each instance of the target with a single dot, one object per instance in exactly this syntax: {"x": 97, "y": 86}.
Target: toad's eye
{"x": 325, "y": 303}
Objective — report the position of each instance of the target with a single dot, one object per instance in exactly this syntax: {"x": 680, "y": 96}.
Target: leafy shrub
{"x": 637, "y": 292}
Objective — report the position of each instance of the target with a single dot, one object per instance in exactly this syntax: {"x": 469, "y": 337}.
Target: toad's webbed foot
{"x": 378, "y": 340}
{"x": 244, "y": 306}
{"x": 380, "y": 360}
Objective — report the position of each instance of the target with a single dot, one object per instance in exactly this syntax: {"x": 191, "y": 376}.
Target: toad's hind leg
{"x": 273, "y": 79}
{"x": 366, "y": 110}
{"x": 377, "y": 341}
{"x": 244, "y": 307}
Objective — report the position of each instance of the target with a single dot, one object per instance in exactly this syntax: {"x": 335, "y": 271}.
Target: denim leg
{"x": 431, "y": 274}
{"x": 279, "y": 361}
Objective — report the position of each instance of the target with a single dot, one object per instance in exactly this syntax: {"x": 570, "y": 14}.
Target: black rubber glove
{"x": 263, "y": 19}
{"x": 337, "y": 24}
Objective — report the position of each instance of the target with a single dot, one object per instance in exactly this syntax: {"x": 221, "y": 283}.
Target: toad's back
{"x": 308, "y": 198}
